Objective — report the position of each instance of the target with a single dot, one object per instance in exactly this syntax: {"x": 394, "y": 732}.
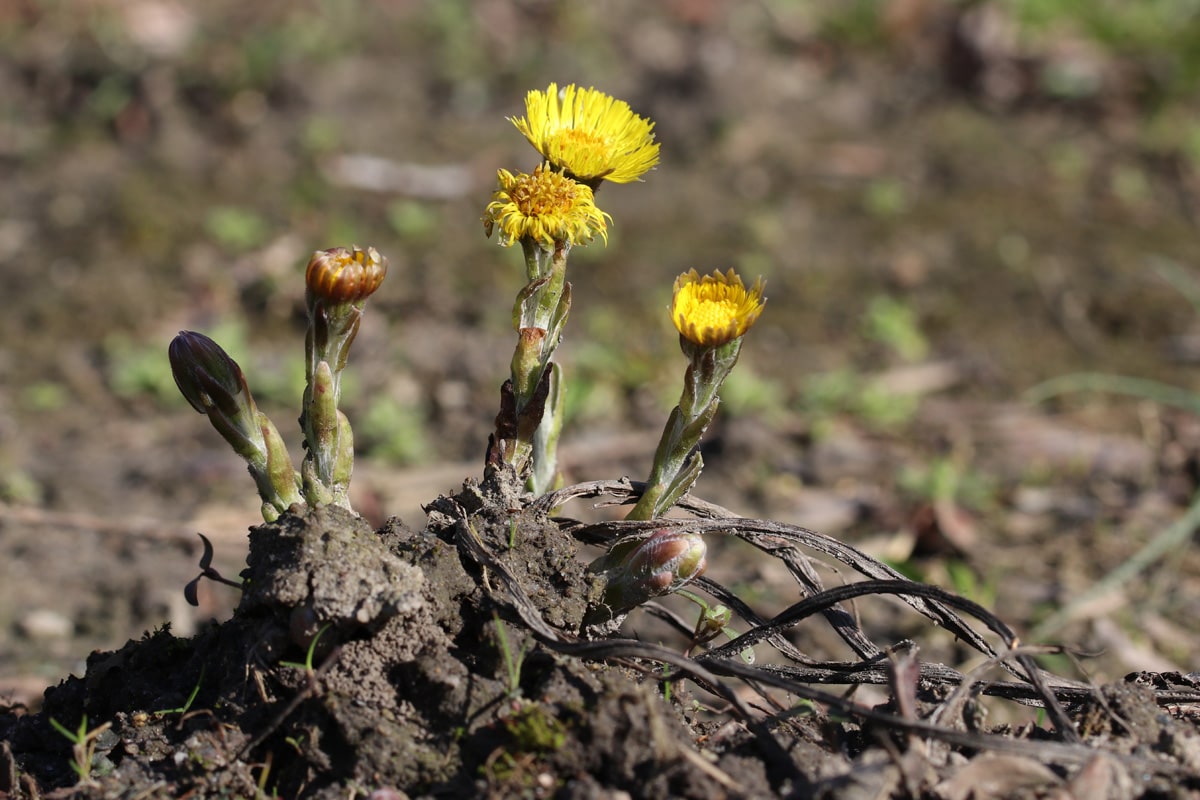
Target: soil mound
{"x": 454, "y": 662}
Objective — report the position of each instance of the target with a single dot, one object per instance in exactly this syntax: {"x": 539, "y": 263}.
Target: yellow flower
{"x": 545, "y": 207}
{"x": 588, "y": 134}
{"x": 715, "y": 309}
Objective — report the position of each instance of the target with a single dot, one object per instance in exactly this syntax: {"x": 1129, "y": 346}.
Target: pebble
{"x": 44, "y": 624}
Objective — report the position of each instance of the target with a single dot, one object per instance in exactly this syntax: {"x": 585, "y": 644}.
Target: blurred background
{"x": 952, "y": 202}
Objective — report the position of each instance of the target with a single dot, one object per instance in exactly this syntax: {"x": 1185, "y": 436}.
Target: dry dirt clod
{"x": 408, "y": 690}
{"x": 334, "y": 567}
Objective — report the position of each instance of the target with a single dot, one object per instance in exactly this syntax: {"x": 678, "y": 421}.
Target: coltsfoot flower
{"x": 712, "y": 310}
{"x": 545, "y": 207}
{"x": 345, "y": 275}
{"x": 712, "y": 315}
{"x": 588, "y": 134}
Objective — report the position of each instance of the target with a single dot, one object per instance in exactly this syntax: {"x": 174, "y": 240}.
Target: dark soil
{"x": 448, "y": 662}
{"x": 408, "y": 688}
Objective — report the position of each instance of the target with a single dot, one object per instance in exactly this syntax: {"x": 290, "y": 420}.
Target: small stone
{"x": 44, "y": 624}
{"x": 388, "y": 793}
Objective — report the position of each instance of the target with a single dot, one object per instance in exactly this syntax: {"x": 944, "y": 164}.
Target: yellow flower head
{"x": 545, "y": 207}
{"x": 715, "y": 309}
{"x": 589, "y": 135}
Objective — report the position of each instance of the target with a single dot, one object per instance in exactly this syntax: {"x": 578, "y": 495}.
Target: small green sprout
{"x": 714, "y": 621}
{"x": 187, "y": 704}
{"x": 307, "y": 666}
{"x": 512, "y": 662}
{"x": 83, "y": 746}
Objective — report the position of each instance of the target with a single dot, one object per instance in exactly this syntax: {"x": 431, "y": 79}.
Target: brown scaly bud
{"x": 345, "y": 275}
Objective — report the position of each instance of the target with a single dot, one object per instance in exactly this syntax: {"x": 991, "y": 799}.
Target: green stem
{"x": 677, "y": 462}
{"x": 545, "y": 438}
{"x": 329, "y": 462}
{"x": 539, "y": 315}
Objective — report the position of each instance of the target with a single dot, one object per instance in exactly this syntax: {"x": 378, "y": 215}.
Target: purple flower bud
{"x": 206, "y": 375}
{"x": 214, "y": 384}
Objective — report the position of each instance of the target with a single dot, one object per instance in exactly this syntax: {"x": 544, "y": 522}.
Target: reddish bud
{"x": 662, "y": 563}
{"x": 341, "y": 275}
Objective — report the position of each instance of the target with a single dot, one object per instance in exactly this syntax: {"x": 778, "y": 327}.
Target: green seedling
{"x": 263, "y": 775}
{"x": 394, "y": 431}
{"x": 713, "y": 620}
{"x": 885, "y": 198}
{"x": 239, "y": 229}
{"x": 83, "y": 746}
{"x": 135, "y": 369}
{"x": 191, "y": 698}
{"x": 946, "y": 480}
{"x": 805, "y": 708}
{"x": 512, "y": 663}
{"x": 828, "y": 395}
{"x": 307, "y": 666}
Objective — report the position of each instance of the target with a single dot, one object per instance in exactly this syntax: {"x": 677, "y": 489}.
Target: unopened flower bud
{"x": 214, "y": 384}
{"x": 341, "y": 275}
{"x": 661, "y": 564}
{"x": 205, "y": 374}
